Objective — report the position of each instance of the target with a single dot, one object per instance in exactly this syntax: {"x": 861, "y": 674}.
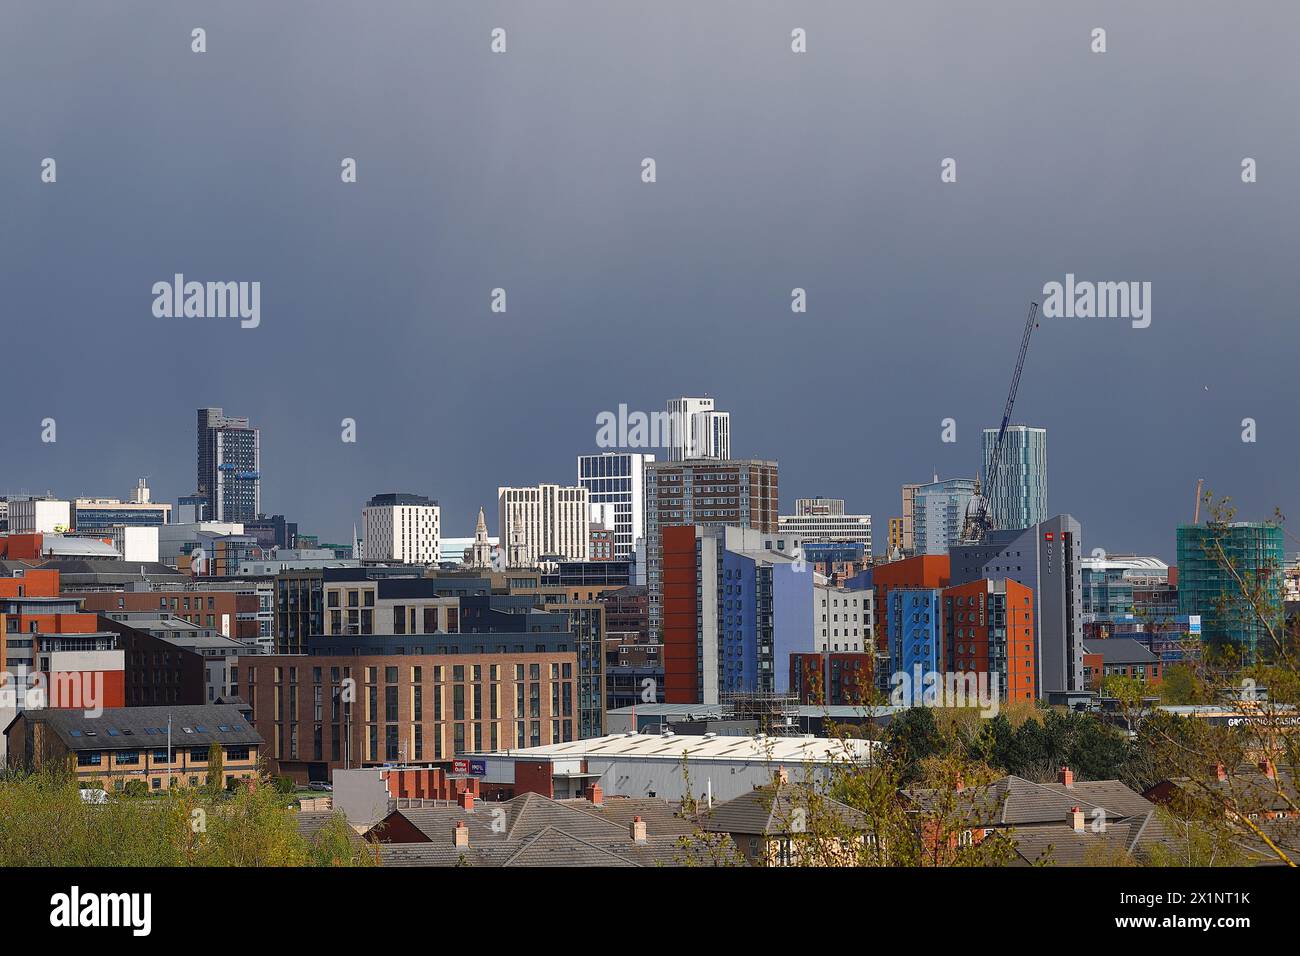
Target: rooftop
{"x": 791, "y": 751}
{"x": 136, "y": 728}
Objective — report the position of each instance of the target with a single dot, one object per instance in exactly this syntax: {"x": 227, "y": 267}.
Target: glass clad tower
{"x": 1020, "y": 499}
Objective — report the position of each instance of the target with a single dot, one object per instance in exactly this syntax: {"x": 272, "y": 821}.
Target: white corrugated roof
{"x": 791, "y": 750}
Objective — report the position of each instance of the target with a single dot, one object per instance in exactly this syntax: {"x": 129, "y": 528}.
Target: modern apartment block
{"x": 939, "y": 513}
{"x": 824, "y": 520}
{"x": 299, "y": 602}
{"x": 229, "y": 466}
{"x": 552, "y": 521}
{"x": 734, "y": 609}
{"x": 1020, "y": 498}
{"x": 914, "y": 629}
{"x": 835, "y": 680}
{"x": 402, "y": 528}
{"x": 843, "y": 619}
{"x": 739, "y": 493}
{"x": 357, "y": 701}
{"x": 1214, "y": 562}
{"x": 697, "y": 430}
{"x": 924, "y": 571}
{"x": 1045, "y": 559}
{"x": 988, "y": 628}
{"x": 617, "y": 479}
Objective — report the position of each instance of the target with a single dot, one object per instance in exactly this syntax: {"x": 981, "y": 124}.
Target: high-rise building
{"x": 617, "y": 479}
{"x": 938, "y": 514}
{"x": 544, "y": 521}
{"x": 229, "y": 466}
{"x": 988, "y": 628}
{"x": 697, "y": 430}
{"x": 823, "y": 519}
{"x": 740, "y": 493}
{"x": 1045, "y": 559}
{"x": 913, "y": 629}
{"x": 1215, "y": 562}
{"x": 843, "y": 619}
{"x": 1020, "y": 498}
{"x": 734, "y": 608}
{"x": 400, "y": 527}
{"x": 909, "y": 504}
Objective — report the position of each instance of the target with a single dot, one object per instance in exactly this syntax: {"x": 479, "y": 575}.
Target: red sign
{"x": 460, "y": 766}
{"x": 1047, "y": 536}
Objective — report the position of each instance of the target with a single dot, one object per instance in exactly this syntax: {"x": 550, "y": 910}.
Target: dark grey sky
{"x": 775, "y": 170}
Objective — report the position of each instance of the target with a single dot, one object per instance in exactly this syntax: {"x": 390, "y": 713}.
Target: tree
{"x": 216, "y": 769}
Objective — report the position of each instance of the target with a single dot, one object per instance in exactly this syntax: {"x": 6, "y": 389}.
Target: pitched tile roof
{"x": 773, "y": 809}
{"x": 1015, "y": 801}
{"x": 140, "y": 728}
{"x": 533, "y": 830}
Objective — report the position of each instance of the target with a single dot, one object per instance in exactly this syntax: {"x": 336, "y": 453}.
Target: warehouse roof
{"x": 788, "y": 750}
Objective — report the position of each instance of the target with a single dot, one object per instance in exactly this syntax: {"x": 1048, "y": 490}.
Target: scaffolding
{"x": 776, "y": 714}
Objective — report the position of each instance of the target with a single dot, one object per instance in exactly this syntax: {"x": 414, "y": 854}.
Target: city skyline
{"x": 343, "y": 532}
{"x": 762, "y": 187}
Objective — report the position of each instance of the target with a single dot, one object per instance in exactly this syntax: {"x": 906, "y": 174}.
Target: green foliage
{"x": 912, "y": 736}
{"x": 45, "y": 822}
{"x": 1180, "y": 685}
{"x": 285, "y": 785}
{"x": 1038, "y": 748}
{"x": 216, "y": 768}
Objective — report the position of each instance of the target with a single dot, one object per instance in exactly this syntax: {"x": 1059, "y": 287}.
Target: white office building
{"x": 617, "y": 479}
{"x": 550, "y": 520}
{"x": 39, "y": 515}
{"x": 401, "y": 528}
{"x": 823, "y": 519}
{"x": 697, "y": 430}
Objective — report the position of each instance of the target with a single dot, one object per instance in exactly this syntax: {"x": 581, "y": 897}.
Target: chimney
{"x": 1076, "y": 819}
{"x": 1269, "y": 768}
{"x": 596, "y": 795}
{"x": 1066, "y": 776}
{"x": 460, "y": 835}
{"x": 466, "y": 800}
{"x": 782, "y": 776}
{"x": 1221, "y": 773}
{"x": 637, "y": 830}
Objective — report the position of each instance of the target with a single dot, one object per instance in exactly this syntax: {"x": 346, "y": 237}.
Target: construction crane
{"x": 1196, "y": 515}
{"x": 978, "y": 521}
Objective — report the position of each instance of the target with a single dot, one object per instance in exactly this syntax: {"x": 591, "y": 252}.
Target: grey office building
{"x": 1044, "y": 558}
